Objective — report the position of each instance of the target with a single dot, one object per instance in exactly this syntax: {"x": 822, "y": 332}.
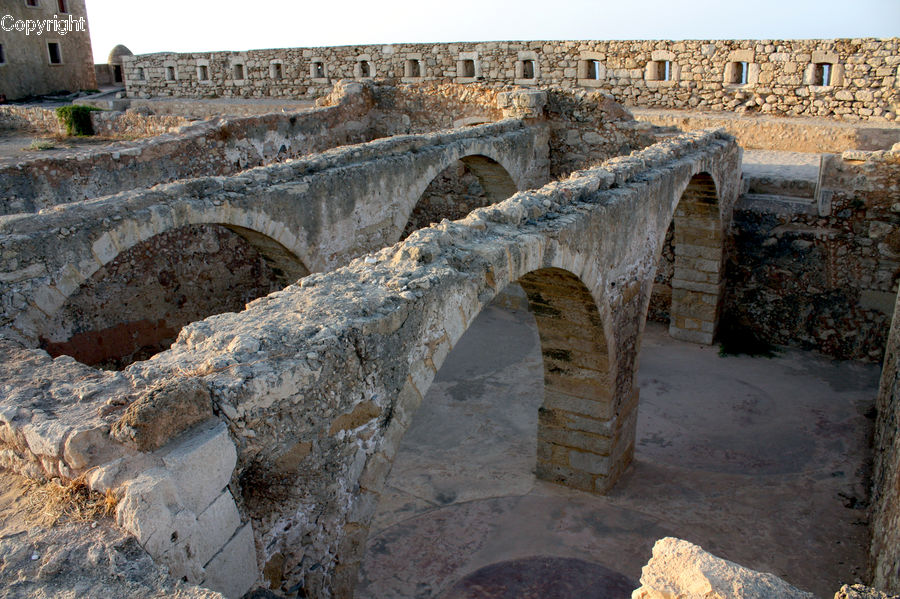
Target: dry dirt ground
{"x": 760, "y": 461}
{"x": 72, "y": 560}
{"x": 17, "y": 146}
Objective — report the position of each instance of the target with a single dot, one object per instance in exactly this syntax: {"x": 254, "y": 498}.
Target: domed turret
{"x": 116, "y": 54}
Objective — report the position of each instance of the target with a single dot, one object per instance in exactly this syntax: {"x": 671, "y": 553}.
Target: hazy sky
{"x": 203, "y": 25}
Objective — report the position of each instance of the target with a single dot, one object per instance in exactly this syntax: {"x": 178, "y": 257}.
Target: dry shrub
{"x": 53, "y": 503}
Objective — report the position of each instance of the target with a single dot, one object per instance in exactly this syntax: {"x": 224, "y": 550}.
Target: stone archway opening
{"x": 689, "y": 284}
{"x": 133, "y": 307}
{"x": 469, "y": 183}
{"x": 524, "y": 396}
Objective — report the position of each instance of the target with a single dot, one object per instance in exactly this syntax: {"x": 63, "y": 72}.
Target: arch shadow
{"x": 447, "y": 195}
{"x": 134, "y": 305}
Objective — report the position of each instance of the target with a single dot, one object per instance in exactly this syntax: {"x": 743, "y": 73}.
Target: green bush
{"x": 77, "y": 119}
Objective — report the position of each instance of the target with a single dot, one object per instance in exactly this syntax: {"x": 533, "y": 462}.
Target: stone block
{"x": 233, "y": 571}
{"x": 691, "y": 336}
{"x": 215, "y": 526}
{"x": 681, "y": 569}
{"x": 589, "y": 462}
{"x": 201, "y": 465}
{"x": 148, "y": 505}
{"x": 162, "y": 413}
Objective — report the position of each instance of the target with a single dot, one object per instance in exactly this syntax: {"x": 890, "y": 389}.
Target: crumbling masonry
{"x": 254, "y": 447}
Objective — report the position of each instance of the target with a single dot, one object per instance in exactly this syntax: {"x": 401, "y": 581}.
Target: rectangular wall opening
{"x": 467, "y": 68}
{"x": 2, "y": 55}
{"x": 412, "y": 68}
{"x": 822, "y": 73}
{"x": 54, "y": 53}
{"x": 527, "y": 69}
{"x": 62, "y": 6}
{"x": 364, "y": 69}
{"x": 117, "y": 73}
{"x": 203, "y": 72}
{"x": 592, "y": 69}
{"x": 238, "y": 72}
{"x": 276, "y": 70}
{"x": 318, "y": 70}
{"x": 32, "y": 3}
{"x": 659, "y": 70}
{"x": 170, "y": 73}
{"x": 738, "y": 73}
{"x": 140, "y": 73}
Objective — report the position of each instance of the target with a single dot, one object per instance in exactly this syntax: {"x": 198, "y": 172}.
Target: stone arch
{"x": 698, "y": 241}
{"x": 265, "y": 236}
{"x": 579, "y": 437}
{"x": 494, "y": 178}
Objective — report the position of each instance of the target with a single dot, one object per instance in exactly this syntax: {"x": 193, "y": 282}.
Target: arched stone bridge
{"x": 306, "y": 215}
{"x": 317, "y": 383}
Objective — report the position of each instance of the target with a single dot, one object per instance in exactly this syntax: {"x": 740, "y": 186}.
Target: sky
{"x": 206, "y": 25}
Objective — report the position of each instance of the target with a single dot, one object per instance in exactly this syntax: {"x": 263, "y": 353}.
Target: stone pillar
{"x": 698, "y": 281}
{"x": 580, "y": 438}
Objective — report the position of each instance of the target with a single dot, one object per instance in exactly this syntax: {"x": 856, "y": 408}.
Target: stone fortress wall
{"x": 850, "y": 79}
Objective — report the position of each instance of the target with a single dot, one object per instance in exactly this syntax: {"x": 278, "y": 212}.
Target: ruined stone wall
{"x": 885, "y": 519}
{"x": 352, "y": 113}
{"x": 211, "y": 148}
{"x": 822, "y": 279}
{"x": 852, "y": 79}
{"x": 112, "y": 124}
{"x": 28, "y": 69}
{"x": 208, "y": 109}
{"x": 291, "y": 210}
{"x": 824, "y": 282}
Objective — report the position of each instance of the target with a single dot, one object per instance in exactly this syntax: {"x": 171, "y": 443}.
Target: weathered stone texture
{"x": 885, "y": 519}
{"x": 820, "y": 281}
{"x": 859, "y": 591}
{"x": 111, "y": 124}
{"x": 682, "y": 570}
{"x": 289, "y": 212}
{"x": 134, "y": 306}
{"x": 318, "y": 382}
{"x": 782, "y": 77}
{"x": 210, "y": 148}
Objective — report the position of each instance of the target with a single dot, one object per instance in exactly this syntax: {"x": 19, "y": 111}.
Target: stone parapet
{"x": 848, "y": 79}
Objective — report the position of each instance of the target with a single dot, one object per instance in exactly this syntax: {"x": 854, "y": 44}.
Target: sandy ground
{"x": 15, "y": 145}
{"x": 761, "y": 461}
{"x": 781, "y": 165}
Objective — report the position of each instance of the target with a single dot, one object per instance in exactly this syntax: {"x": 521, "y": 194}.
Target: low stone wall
{"x": 210, "y": 148}
{"x": 585, "y": 129}
{"x": 208, "y": 109}
{"x": 885, "y": 520}
{"x": 353, "y": 113}
{"x": 761, "y": 132}
{"x": 112, "y": 124}
{"x": 852, "y": 79}
{"x": 290, "y": 212}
